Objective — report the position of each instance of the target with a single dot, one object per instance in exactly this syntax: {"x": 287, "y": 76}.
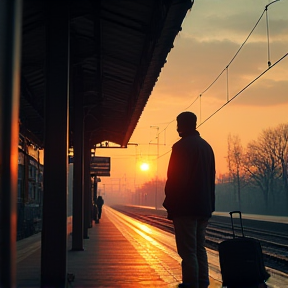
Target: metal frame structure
{"x": 83, "y": 71}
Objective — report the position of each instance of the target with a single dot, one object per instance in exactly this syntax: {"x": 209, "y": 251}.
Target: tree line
{"x": 259, "y": 169}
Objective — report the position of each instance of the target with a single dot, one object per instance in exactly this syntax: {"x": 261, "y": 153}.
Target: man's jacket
{"x": 190, "y": 185}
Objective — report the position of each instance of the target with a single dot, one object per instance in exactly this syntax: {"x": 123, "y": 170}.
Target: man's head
{"x": 186, "y": 122}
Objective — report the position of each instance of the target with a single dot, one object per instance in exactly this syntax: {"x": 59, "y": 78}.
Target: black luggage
{"x": 241, "y": 260}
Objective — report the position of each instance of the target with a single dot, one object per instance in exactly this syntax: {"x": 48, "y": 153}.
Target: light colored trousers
{"x": 190, "y": 240}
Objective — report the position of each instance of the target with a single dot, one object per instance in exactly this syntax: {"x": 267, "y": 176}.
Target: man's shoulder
{"x": 193, "y": 140}
{"x": 179, "y": 143}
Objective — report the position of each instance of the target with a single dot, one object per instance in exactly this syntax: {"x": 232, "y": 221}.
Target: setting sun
{"x": 144, "y": 166}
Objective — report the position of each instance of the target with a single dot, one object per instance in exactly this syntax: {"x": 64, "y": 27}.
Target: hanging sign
{"x": 100, "y": 166}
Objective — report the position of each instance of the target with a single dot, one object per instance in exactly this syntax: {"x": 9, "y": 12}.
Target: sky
{"x": 212, "y": 33}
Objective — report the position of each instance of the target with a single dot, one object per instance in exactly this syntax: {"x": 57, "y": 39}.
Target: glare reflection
{"x": 145, "y": 228}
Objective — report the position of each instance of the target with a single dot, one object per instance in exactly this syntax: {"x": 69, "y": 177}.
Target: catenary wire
{"x": 227, "y": 76}
{"x": 236, "y": 95}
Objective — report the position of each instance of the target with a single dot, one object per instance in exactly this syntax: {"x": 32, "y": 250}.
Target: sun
{"x": 144, "y": 167}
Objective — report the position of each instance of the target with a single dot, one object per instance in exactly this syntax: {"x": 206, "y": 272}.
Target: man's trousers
{"x": 190, "y": 240}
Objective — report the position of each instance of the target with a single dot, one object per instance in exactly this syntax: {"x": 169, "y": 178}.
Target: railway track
{"x": 274, "y": 244}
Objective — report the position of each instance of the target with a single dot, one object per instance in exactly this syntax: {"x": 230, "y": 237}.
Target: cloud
{"x": 192, "y": 66}
{"x": 235, "y": 21}
{"x": 205, "y": 47}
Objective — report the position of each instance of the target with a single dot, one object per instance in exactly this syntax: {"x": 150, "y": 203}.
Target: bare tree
{"x": 262, "y": 164}
{"x": 235, "y": 164}
{"x": 279, "y": 148}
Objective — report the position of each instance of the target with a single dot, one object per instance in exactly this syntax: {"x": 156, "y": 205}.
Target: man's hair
{"x": 187, "y": 120}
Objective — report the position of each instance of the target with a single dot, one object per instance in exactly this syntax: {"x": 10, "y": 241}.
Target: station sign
{"x": 100, "y": 166}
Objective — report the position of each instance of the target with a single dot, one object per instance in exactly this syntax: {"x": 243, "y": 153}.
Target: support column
{"x": 10, "y": 51}
{"x": 54, "y": 232}
{"x": 87, "y": 185}
{"x": 78, "y": 180}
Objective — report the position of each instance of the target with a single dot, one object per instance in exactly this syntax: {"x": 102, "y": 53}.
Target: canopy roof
{"x": 118, "y": 49}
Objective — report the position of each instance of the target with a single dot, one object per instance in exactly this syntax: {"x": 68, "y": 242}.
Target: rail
{"x": 274, "y": 245}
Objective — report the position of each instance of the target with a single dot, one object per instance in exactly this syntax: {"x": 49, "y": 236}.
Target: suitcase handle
{"x": 240, "y": 217}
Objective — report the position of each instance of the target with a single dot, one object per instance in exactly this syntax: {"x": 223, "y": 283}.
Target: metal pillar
{"x": 54, "y": 232}
{"x": 87, "y": 185}
{"x": 95, "y": 189}
{"x": 78, "y": 142}
{"x": 10, "y": 51}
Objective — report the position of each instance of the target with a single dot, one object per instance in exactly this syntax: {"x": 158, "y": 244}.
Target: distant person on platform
{"x": 99, "y": 203}
{"x": 190, "y": 199}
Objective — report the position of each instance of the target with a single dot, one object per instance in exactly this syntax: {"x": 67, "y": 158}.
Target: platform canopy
{"x": 117, "y": 48}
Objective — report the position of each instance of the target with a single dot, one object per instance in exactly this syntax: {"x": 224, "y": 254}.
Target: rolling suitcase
{"x": 241, "y": 261}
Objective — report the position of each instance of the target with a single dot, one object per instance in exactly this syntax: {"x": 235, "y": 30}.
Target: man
{"x": 99, "y": 203}
{"x": 190, "y": 199}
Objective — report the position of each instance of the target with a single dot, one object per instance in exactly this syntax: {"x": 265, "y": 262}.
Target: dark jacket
{"x": 190, "y": 185}
{"x": 99, "y": 202}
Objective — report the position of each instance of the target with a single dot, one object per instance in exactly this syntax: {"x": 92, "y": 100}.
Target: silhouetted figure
{"x": 190, "y": 199}
{"x": 99, "y": 203}
{"x": 95, "y": 213}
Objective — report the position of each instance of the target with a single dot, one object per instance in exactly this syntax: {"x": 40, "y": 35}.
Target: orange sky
{"x": 212, "y": 33}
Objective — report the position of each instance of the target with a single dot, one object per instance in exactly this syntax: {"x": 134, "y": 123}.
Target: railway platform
{"x": 120, "y": 252}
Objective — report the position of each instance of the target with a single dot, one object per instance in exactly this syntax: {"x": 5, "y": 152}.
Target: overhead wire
{"x": 227, "y": 74}
{"x": 243, "y": 89}
{"x": 236, "y": 95}
{"x": 215, "y": 80}
{"x": 267, "y": 31}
